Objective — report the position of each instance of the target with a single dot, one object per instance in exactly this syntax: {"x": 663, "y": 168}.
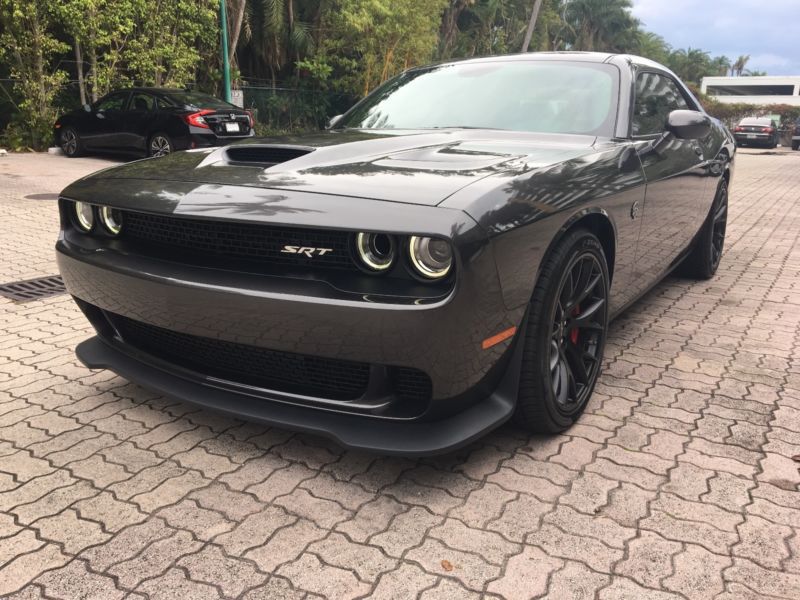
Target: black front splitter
{"x": 406, "y": 438}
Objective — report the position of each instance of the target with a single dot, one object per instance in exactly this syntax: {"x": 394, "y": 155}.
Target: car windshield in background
{"x": 754, "y": 121}
{"x": 197, "y": 100}
{"x": 550, "y": 97}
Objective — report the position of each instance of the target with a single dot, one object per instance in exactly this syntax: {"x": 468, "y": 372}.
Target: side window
{"x": 164, "y": 102}
{"x": 141, "y": 102}
{"x": 656, "y": 97}
{"x": 112, "y": 102}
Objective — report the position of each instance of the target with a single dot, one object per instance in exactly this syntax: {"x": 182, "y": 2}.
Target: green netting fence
{"x": 284, "y": 109}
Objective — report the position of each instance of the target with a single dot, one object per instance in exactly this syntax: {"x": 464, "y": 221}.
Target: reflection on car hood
{"x": 420, "y": 167}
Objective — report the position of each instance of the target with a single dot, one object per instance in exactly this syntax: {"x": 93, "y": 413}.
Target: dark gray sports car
{"x": 447, "y": 255}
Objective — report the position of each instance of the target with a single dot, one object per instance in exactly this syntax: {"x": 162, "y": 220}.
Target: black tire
{"x": 795, "y": 145}
{"x": 159, "y": 144}
{"x": 704, "y": 259}
{"x": 71, "y": 144}
{"x": 561, "y": 335}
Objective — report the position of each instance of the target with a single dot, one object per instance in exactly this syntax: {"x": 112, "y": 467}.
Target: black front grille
{"x": 198, "y": 239}
{"x": 287, "y": 372}
{"x": 281, "y": 371}
{"x": 411, "y": 383}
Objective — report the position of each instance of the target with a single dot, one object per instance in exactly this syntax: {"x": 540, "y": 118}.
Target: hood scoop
{"x": 263, "y": 156}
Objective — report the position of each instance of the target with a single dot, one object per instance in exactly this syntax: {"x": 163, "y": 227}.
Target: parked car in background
{"x": 449, "y": 254}
{"x": 796, "y": 135}
{"x": 151, "y": 121}
{"x": 756, "y": 131}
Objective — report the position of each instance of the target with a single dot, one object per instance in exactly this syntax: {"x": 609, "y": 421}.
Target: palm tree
{"x": 273, "y": 36}
{"x": 602, "y": 25}
{"x": 721, "y": 65}
{"x": 738, "y": 67}
{"x": 653, "y": 46}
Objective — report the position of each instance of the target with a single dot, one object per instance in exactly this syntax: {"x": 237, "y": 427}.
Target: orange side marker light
{"x": 496, "y": 339}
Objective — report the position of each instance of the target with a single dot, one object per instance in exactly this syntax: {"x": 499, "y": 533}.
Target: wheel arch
{"x": 597, "y": 221}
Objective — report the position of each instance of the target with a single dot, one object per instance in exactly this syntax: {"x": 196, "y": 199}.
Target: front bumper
{"x": 406, "y": 438}
{"x": 473, "y": 389}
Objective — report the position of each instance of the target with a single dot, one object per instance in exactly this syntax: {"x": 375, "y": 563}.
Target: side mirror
{"x": 333, "y": 121}
{"x": 688, "y": 124}
{"x": 87, "y": 108}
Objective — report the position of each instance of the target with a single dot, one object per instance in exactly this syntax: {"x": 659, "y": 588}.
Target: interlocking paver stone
{"x": 678, "y": 482}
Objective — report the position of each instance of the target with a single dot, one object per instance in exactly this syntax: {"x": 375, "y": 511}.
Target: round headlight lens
{"x": 431, "y": 257}
{"x": 376, "y": 250}
{"x": 84, "y": 216}
{"x": 111, "y": 219}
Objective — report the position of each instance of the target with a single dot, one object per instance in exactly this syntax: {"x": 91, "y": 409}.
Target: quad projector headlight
{"x": 111, "y": 219}
{"x": 431, "y": 257}
{"x": 375, "y": 250}
{"x": 84, "y": 216}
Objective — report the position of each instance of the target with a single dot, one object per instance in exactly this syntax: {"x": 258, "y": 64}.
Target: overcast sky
{"x": 764, "y": 29}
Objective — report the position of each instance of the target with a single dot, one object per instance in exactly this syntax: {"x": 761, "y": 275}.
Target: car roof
{"x": 157, "y": 90}
{"x": 757, "y": 120}
{"x": 564, "y": 55}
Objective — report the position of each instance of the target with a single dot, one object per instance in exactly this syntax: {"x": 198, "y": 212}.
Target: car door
{"x": 140, "y": 113}
{"x": 675, "y": 174}
{"x": 109, "y": 120}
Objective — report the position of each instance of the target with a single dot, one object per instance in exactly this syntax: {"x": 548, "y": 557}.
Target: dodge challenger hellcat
{"x": 447, "y": 255}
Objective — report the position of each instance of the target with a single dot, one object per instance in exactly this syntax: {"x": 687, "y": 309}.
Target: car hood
{"x": 419, "y": 167}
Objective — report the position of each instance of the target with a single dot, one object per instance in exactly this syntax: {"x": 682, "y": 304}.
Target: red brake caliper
{"x": 573, "y": 335}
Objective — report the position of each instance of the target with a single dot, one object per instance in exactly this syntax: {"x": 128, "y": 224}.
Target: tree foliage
{"x": 314, "y": 47}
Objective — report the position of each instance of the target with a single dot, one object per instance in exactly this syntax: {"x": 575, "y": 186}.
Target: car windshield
{"x": 542, "y": 96}
{"x": 198, "y": 100}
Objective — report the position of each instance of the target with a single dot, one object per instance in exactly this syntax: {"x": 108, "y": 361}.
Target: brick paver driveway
{"x": 678, "y": 482}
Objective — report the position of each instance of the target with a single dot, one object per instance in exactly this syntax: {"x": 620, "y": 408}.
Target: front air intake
{"x": 264, "y": 155}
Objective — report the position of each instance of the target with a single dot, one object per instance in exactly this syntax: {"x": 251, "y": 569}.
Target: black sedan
{"x": 757, "y": 131}
{"x": 447, "y": 256}
{"x": 151, "y": 122}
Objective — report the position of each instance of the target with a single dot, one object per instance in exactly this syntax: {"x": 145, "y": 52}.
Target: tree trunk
{"x": 79, "y": 66}
{"x": 449, "y": 27}
{"x": 290, "y": 19}
{"x": 537, "y": 5}
{"x": 236, "y": 30}
{"x": 93, "y": 72}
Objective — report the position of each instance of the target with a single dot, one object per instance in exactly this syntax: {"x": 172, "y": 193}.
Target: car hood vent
{"x": 264, "y": 155}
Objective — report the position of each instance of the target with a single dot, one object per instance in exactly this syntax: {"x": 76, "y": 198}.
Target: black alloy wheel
{"x": 578, "y": 326}
{"x": 565, "y": 337}
{"x": 703, "y": 261}
{"x": 70, "y": 142}
{"x": 719, "y": 225}
{"x": 160, "y": 145}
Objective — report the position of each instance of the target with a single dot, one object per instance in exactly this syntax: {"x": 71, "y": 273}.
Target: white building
{"x": 767, "y": 89}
